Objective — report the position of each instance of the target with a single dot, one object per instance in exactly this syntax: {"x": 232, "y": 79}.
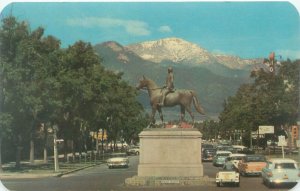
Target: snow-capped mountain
{"x": 183, "y": 52}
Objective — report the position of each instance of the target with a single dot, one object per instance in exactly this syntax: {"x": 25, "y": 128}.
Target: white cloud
{"x": 291, "y": 54}
{"x": 165, "y": 29}
{"x": 133, "y": 27}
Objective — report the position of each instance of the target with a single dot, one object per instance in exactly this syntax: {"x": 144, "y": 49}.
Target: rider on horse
{"x": 169, "y": 87}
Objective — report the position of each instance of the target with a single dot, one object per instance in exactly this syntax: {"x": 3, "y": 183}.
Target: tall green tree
{"x": 12, "y": 33}
{"x": 272, "y": 99}
{"x": 44, "y": 84}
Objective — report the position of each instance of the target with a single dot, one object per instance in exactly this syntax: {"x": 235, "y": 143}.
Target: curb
{"x": 4, "y": 176}
{"x": 75, "y": 170}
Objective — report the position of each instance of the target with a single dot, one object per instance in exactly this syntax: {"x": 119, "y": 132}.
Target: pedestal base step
{"x": 169, "y": 181}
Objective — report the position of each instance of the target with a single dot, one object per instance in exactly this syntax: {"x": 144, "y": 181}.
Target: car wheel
{"x": 270, "y": 185}
{"x": 218, "y": 184}
{"x": 242, "y": 173}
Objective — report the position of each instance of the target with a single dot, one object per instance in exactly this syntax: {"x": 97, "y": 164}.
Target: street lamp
{"x": 55, "y": 141}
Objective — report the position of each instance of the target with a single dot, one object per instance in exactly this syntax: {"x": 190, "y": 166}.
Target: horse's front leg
{"x": 160, "y": 114}
{"x": 152, "y": 120}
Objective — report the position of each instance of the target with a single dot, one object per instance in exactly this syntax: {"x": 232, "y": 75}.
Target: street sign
{"x": 282, "y": 141}
{"x": 266, "y": 129}
{"x": 298, "y": 143}
{"x": 99, "y": 135}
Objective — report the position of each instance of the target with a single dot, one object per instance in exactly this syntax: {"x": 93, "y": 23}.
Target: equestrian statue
{"x": 168, "y": 97}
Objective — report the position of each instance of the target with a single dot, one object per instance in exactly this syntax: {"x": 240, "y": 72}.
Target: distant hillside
{"x": 213, "y": 81}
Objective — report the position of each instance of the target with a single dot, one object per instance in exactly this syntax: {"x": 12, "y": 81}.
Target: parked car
{"x": 238, "y": 148}
{"x": 252, "y": 165}
{"x": 208, "y": 154}
{"x": 236, "y": 158}
{"x": 220, "y": 157}
{"x": 280, "y": 171}
{"x": 247, "y": 151}
{"x": 225, "y": 148}
{"x": 118, "y": 160}
{"x": 135, "y": 150}
{"x": 228, "y": 175}
{"x": 207, "y": 146}
{"x": 118, "y": 145}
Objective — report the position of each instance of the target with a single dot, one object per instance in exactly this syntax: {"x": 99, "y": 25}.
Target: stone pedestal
{"x": 170, "y": 153}
{"x": 170, "y": 157}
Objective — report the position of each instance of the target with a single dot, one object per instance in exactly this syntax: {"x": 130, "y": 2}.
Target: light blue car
{"x": 280, "y": 171}
{"x": 220, "y": 158}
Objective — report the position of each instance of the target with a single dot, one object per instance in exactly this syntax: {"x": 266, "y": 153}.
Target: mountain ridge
{"x": 183, "y": 52}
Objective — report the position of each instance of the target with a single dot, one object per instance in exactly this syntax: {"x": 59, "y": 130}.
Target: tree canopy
{"x": 272, "y": 99}
{"x": 41, "y": 83}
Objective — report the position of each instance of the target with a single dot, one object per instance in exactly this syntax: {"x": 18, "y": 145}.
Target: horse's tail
{"x": 197, "y": 103}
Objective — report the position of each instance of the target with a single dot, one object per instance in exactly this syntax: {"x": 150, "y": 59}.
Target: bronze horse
{"x": 181, "y": 97}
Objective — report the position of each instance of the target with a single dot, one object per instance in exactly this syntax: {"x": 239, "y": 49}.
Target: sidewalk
{"x": 41, "y": 170}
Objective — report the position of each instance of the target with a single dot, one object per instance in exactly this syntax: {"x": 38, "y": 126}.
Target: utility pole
{"x": 56, "y": 165}
{"x": 298, "y": 141}
{"x": 55, "y": 142}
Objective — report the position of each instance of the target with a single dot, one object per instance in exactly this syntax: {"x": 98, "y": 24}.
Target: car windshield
{"x": 255, "y": 159}
{"x": 228, "y": 167}
{"x": 285, "y": 166}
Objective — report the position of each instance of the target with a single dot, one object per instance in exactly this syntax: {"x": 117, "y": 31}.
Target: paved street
{"x": 101, "y": 178}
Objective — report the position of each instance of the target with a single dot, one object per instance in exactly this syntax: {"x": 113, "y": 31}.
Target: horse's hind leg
{"x": 189, "y": 110}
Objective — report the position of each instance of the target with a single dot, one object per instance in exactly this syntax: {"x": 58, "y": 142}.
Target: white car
{"x": 135, "y": 150}
{"x": 118, "y": 145}
{"x": 228, "y": 175}
{"x": 280, "y": 171}
{"x": 239, "y": 148}
{"x": 118, "y": 160}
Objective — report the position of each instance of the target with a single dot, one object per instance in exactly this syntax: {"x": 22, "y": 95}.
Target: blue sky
{"x": 245, "y": 29}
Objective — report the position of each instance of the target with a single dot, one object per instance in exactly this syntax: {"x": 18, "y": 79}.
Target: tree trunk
{"x": 97, "y": 143}
{"x": 66, "y": 150}
{"x": 45, "y": 156}
{"x": 31, "y": 159}
{"x": 1, "y": 170}
{"x": 18, "y": 151}
{"x": 32, "y": 137}
{"x": 45, "y": 144}
{"x": 18, "y": 157}
{"x": 72, "y": 150}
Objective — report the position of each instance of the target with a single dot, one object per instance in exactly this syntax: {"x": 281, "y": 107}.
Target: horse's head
{"x": 143, "y": 83}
